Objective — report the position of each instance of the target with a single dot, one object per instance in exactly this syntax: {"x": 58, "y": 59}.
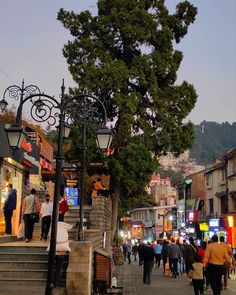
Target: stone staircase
{"x": 23, "y": 265}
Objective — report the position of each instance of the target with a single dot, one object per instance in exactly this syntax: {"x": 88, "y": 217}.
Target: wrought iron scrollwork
{"x": 85, "y": 109}
{"x": 18, "y": 93}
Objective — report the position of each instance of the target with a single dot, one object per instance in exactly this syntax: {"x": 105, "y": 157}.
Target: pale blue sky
{"x": 32, "y": 41}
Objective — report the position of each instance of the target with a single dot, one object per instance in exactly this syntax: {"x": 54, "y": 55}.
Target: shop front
{"x": 15, "y": 169}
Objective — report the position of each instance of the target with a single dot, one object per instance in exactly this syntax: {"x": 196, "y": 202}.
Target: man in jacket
{"x": 174, "y": 257}
{"x": 214, "y": 258}
{"x": 148, "y": 258}
{"x": 9, "y": 207}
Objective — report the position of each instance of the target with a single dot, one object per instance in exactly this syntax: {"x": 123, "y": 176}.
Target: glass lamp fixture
{"x": 104, "y": 138}
{"x": 15, "y": 135}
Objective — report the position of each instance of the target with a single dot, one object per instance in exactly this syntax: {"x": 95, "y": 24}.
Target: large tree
{"x": 125, "y": 56}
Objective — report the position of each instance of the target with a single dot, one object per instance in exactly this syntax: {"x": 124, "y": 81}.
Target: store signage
{"x": 27, "y": 146}
{"x": 192, "y": 216}
{"x": 72, "y": 191}
{"x": 203, "y": 226}
{"x": 214, "y": 222}
{"x": 28, "y": 156}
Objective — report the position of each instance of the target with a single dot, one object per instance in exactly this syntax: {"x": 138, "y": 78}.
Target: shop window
{"x": 211, "y": 206}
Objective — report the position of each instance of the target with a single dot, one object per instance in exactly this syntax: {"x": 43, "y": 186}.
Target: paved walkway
{"x": 130, "y": 277}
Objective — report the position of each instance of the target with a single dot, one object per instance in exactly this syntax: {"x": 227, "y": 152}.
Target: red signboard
{"x": 192, "y": 216}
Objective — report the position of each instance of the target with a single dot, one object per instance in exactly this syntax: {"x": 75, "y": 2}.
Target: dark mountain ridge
{"x": 212, "y": 140}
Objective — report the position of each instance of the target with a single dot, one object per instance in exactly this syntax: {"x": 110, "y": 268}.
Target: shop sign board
{"x": 28, "y": 155}
{"x": 72, "y": 191}
{"x": 192, "y": 216}
{"x": 214, "y": 222}
{"x": 204, "y": 226}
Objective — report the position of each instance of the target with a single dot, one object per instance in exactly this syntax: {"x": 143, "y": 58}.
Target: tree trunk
{"x": 115, "y": 185}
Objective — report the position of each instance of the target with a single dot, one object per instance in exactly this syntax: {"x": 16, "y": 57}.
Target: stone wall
{"x": 81, "y": 269}
{"x": 101, "y": 218}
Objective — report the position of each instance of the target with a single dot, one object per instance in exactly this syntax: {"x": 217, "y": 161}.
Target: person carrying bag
{"x": 30, "y": 212}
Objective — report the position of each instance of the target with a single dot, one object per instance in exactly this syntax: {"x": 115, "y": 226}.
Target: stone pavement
{"x": 130, "y": 277}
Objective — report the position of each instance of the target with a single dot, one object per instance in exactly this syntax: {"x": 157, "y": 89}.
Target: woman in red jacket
{"x": 63, "y": 208}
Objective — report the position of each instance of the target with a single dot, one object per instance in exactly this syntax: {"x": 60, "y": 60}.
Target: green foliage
{"x": 212, "y": 140}
{"x": 125, "y": 56}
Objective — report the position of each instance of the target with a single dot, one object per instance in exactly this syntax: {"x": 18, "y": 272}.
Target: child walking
{"x": 196, "y": 273}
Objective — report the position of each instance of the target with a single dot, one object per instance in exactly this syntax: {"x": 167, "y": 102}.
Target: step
{"x": 14, "y": 281}
{"x": 4, "y": 256}
{"x": 21, "y": 264}
{"x": 23, "y": 249}
{"x": 18, "y": 273}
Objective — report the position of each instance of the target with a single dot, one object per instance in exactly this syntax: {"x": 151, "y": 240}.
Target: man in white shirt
{"x": 46, "y": 214}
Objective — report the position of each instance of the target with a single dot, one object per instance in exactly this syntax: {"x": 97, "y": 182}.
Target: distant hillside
{"x": 212, "y": 140}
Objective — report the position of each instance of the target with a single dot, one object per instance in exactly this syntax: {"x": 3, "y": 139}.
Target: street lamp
{"x": 104, "y": 138}
{"x": 81, "y": 109}
{"x": 15, "y": 136}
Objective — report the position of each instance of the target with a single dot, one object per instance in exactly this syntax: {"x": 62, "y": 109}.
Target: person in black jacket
{"x": 165, "y": 253}
{"x": 148, "y": 259}
{"x": 9, "y": 207}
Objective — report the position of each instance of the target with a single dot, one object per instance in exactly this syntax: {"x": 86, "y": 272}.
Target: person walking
{"x": 140, "y": 253}
{"x": 181, "y": 262}
{"x": 9, "y": 207}
{"x": 135, "y": 251}
{"x": 129, "y": 252}
{"x": 197, "y": 276}
{"x": 201, "y": 252}
{"x": 226, "y": 264}
{"x": 30, "y": 205}
{"x": 148, "y": 260}
{"x": 174, "y": 258}
{"x": 125, "y": 250}
{"x": 157, "y": 250}
{"x": 190, "y": 254}
{"x": 165, "y": 254}
{"x": 214, "y": 258}
{"x": 46, "y": 214}
{"x": 63, "y": 208}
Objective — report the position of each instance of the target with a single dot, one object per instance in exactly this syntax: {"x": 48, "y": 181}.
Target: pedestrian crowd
{"x": 206, "y": 264}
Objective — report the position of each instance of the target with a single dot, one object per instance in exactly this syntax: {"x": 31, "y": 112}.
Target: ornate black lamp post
{"x": 82, "y": 109}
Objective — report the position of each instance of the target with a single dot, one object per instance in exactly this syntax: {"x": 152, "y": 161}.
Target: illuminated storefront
{"x": 15, "y": 169}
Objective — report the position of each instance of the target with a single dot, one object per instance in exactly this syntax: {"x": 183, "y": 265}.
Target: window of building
{"x": 209, "y": 179}
{"x": 223, "y": 174}
{"x": 224, "y": 204}
{"x": 211, "y": 206}
{"x": 232, "y": 168}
